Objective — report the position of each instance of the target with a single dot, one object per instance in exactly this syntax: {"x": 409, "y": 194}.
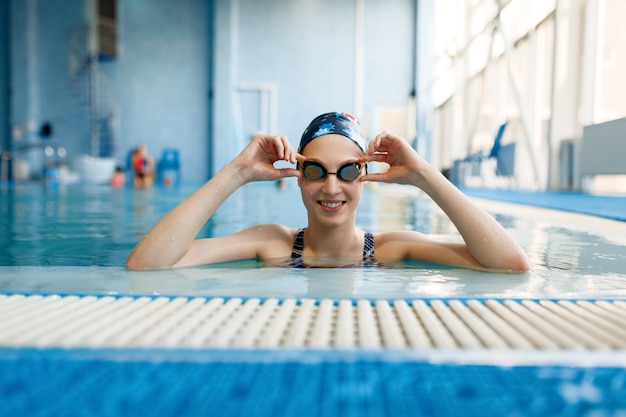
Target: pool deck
{"x": 605, "y": 206}
{"x": 112, "y": 356}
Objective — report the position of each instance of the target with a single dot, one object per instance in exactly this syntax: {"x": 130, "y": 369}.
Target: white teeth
{"x": 329, "y": 205}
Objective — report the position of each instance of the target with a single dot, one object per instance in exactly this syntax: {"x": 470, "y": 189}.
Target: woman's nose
{"x": 331, "y": 184}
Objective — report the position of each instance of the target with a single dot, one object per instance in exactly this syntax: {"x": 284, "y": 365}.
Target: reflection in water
{"x": 405, "y": 283}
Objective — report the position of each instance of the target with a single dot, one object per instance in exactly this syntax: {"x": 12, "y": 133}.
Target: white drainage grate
{"x": 107, "y": 321}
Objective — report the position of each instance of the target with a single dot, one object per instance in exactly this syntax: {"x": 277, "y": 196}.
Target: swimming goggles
{"x": 314, "y": 171}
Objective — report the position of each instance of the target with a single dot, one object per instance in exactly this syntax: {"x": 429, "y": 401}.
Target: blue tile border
{"x": 234, "y": 383}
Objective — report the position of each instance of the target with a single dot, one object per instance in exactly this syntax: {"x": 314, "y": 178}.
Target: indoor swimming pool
{"x": 240, "y": 338}
{"x": 76, "y": 240}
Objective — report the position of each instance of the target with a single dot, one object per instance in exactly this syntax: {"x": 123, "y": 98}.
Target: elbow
{"x": 514, "y": 263}
{"x": 519, "y": 263}
{"x": 141, "y": 262}
{"x": 132, "y": 264}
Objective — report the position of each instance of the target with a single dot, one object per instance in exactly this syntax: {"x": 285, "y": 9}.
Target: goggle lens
{"x": 314, "y": 171}
{"x": 349, "y": 172}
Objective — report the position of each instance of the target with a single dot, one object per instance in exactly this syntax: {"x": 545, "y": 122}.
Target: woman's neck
{"x": 345, "y": 241}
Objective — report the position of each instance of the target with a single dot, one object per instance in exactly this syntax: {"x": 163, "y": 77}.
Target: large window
{"x": 610, "y": 82}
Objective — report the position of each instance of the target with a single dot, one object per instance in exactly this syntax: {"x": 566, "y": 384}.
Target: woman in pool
{"x": 331, "y": 174}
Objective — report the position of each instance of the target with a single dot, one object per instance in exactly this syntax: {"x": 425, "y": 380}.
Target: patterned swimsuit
{"x": 298, "y": 245}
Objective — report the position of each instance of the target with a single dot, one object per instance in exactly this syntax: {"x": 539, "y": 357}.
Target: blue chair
{"x": 497, "y": 143}
{"x": 471, "y": 164}
{"x": 168, "y": 167}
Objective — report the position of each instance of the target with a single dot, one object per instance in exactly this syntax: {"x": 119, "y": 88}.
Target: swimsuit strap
{"x": 368, "y": 250}
{"x": 298, "y": 247}
{"x": 296, "y": 252}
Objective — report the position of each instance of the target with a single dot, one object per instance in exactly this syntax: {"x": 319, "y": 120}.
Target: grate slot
{"x": 458, "y": 329}
{"x": 147, "y": 319}
{"x": 58, "y": 312}
{"x": 414, "y": 331}
{"x": 10, "y": 302}
{"x": 275, "y": 330}
{"x": 618, "y": 313}
{"x": 536, "y": 337}
{"x": 437, "y": 331}
{"x": 200, "y": 335}
{"x": 392, "y": 335}
{"x": 253, "y": 328}
{"x": 31, "y": 311}
{"x": 584, "y": 320}
{"x": 606, "y": 317}
{"x": 116, "y": 334}
{"x": 177, "y": 336}
{"x": 299, "y": 329}
{"x": 369, "y": 336}
{"x": 506, "y": 330}
{"x": 539, "y": 322}
{"x": 101, "y": 321}
{"x": 566, "y": 327}
{"x": 172, "y": 317}
{"x": 90, "y": 321}
{"x": 74, "y": 322}
{"x": 229, "y": 328}
{"x": 344, "y": 334}
{"x": 486, "y": 334}
{"x": 320, "y": 337}
{"x": 622, "y": 305}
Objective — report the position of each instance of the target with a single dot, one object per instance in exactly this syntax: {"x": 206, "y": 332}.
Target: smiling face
{"x": 331, "y": 202}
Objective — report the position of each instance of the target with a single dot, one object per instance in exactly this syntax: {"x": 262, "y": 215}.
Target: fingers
{"x": 375, "y": 177}
{"x": 288, "y": 153}
{"x": 377, "y": 157}
{"x": 280, "y": 144}
{"x": 288, "y": 172}
{"x": 277, "y": 147}
{"x": 379, "y": 142}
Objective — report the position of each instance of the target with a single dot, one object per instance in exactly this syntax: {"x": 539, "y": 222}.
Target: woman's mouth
{"x": 331, "y": 205}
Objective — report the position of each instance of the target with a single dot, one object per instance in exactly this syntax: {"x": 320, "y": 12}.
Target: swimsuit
{"x": 298, "y": 245}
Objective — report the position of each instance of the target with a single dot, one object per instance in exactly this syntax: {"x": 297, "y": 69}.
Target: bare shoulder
{"x": 271, "y": 240}
{"x": 270, "y": 231}
{"x": 399, "y": 237}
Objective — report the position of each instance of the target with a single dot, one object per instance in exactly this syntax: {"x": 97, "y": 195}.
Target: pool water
{"x": 76, "y": 239}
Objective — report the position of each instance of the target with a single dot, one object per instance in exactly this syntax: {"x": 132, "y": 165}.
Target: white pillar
{"x": 566, "y": 88}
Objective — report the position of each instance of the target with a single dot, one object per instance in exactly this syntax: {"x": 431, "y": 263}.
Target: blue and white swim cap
{"x": 334, "y": 123}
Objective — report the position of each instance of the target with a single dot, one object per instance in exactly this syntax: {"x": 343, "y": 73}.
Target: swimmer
{"x": 143, "y": 167}
{"x": 331, "y": 170}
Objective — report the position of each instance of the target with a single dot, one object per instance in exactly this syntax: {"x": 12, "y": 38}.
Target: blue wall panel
{"x": 181, "y": 67}
{"x": 307, "y": 50}
{"x": 163, "y": 78}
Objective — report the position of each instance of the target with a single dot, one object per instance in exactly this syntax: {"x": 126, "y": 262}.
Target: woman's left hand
{"x": 405, "y": 164}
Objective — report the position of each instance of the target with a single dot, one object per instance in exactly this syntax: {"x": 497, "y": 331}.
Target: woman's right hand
{"x": 256, "y": 161}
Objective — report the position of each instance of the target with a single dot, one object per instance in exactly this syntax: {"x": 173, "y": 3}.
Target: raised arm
{"x": 172, "y": 237}
{"x": 487, "y": 242}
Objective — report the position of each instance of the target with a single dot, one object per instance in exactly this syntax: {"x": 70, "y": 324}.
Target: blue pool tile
{"x": 54, "y": 385}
